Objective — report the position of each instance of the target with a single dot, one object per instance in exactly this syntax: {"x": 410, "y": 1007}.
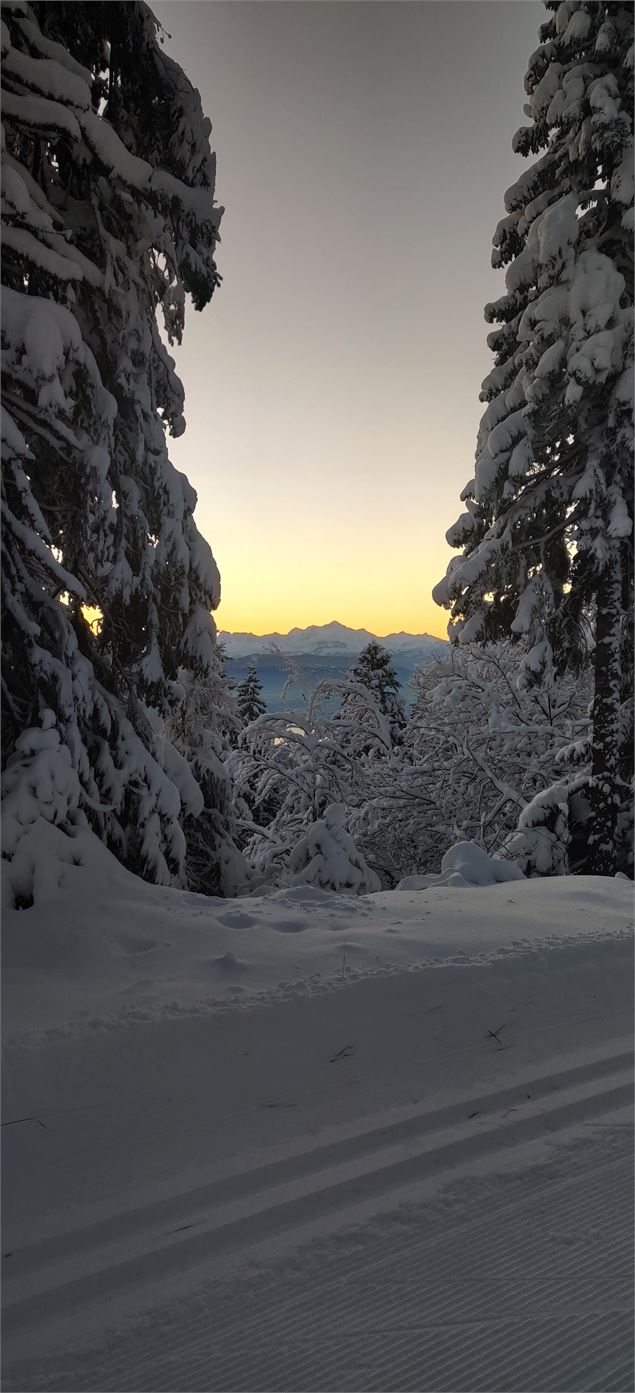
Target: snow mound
{"x": 417, "y": 882}
{"x": 465, "y": 865}
{"x": 475, "y": 867}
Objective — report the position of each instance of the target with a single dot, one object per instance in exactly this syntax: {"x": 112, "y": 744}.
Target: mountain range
{"x": 320, "y": 651}
{"x": 329, "y": 639}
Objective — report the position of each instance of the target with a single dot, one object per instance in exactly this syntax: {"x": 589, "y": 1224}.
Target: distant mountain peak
{"x": 324, "y": 638}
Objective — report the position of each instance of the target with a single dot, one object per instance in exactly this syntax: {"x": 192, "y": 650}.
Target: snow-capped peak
{"x": 325, "y": 638}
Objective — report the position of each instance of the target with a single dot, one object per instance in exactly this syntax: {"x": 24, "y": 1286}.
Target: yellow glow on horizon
{"x": 256, "y": 619}
{"x": 275, "y": 588}
{"x": 332, "y": 387}
{"x": 273, "y": 610}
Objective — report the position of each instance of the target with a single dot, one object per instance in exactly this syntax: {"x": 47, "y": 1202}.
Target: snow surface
{"x": 136, "y": 952}
{"x": 315, "y": 1141}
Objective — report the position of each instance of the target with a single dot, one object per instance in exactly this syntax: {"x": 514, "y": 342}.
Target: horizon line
{"x": 301, "y": 628}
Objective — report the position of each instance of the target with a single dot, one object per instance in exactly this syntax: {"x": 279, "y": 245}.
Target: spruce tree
{"x": 546, "y": 535}
{"x": 249, "y": 698}
{"x": 108, "y": 222}
{"x": 374, "y": 672}
{"x": 326, "y": 856}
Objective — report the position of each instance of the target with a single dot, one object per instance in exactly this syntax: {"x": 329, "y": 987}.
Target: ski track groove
{"x": 557, "y": 1349}
{"x": 250, "y": 1320}
{"x": 381, "y": 1171}
{"x": 619, "y": 1377}
{"x": 483, "y": 1326}
{"x": 468, "y": 1272}
{"x": 304, "y": 1163}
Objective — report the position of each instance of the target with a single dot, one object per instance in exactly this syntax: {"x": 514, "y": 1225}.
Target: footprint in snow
{"x": 290, "y": 926}
{"x": 307, "y": 894}
{"x": 236, "y": 919}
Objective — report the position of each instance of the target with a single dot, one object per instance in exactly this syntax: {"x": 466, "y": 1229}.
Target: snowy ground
{"x": 273, "y": 1144}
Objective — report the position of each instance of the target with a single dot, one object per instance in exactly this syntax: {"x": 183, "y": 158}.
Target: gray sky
{"x": 332, "y": 384}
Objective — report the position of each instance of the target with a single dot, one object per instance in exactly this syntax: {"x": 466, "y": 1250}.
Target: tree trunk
{"x": 604, "y": 789}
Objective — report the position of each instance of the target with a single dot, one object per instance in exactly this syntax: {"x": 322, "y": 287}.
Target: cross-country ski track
{"x": 421, "y": 1181}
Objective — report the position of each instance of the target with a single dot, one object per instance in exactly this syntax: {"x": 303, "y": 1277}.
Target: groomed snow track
{"x": 418, "y": 1180}
{"x": 517, "y": 1280}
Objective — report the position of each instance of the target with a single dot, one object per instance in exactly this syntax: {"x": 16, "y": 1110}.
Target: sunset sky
{"x": 332, "y": 384}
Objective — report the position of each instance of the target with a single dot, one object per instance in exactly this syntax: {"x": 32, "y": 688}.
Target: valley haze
{"x": 321, "y": 651}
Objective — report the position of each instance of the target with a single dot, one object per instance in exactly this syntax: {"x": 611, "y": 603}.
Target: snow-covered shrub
{"x": 47, "y": 859}
{"x": 287, "y": 768}
{"x": 479, "y": 744}
{"x": 467, "y": 863}
{"x": 540, "y": 845}
{"x": 201, "y": 730}
{"x": 40, "y": 784}
{"x": 108, "y": 221}
{"x": 553, "y": 830}
{"x": 326, "y": 856}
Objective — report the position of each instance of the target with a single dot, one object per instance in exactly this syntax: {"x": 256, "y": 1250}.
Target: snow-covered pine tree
{"x": 108, "y": 221}
{"x": 547, "y": 532}
{"x": 326, "y": 856}
{"x": 249, "y": 698}
{"x": 375, "y": 674}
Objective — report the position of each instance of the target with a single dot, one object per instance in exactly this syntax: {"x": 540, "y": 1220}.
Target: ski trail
{"x": 83, "y": 1278}
{"x": 299, "y": 1189}
{"x": 533, "y": 1095}
{"x": 529, "y": 1286}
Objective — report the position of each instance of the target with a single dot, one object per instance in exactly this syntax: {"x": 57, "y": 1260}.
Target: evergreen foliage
{"x": 203, "y": 728}
{"x": 374, "y": 676}
{"x": 326, "y": 856}
{"x": 109, "y": 222}
{"x": 249, "y": 700}
{"x": 547, "y": 531}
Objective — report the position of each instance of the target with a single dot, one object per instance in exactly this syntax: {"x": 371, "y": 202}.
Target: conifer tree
{"x": 326, "y": 856}
{"x": 375, "y": 674}
{"x": 108, "y": 222}
{"x": 249, "y": 698}
{"x": 546, "y": 535}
